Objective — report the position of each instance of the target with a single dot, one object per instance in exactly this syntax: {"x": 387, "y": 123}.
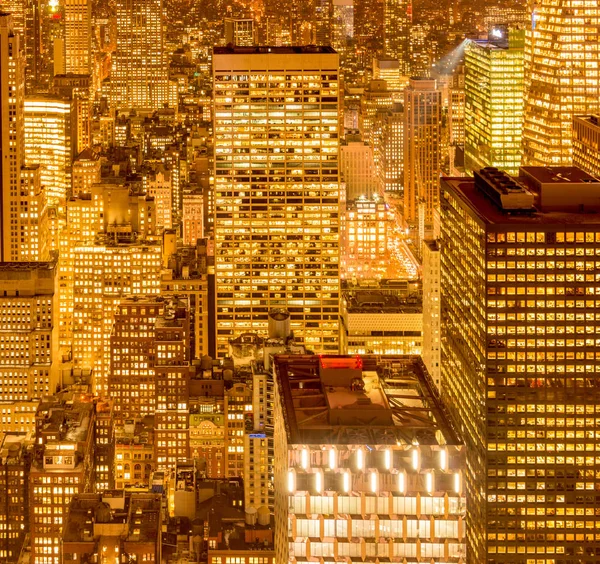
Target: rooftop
{"x": 31, "y": 266}
{"x": 66, "y": 416}
{"x": 558, "y": 174}
{"x": 592, "y": 119}
{"x": 266, "y": 49}
{"x": 360, "y": 400}
{"x": 136, "y": 432}
{"x": 490, "y": 213}
{"x": 374, "y": 301}
{"x": 13, "y": 447}
{"x": 134, "y": 517}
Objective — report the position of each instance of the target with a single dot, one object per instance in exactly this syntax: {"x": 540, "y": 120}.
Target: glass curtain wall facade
{"x": 494, "y": 104}
{"x": 562, "y": 53}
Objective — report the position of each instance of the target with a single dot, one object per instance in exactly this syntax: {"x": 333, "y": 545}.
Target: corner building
{"x": 277, "y": 191}
{"x": 520, "y": 280}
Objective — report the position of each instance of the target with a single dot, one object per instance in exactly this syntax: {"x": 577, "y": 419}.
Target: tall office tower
{"x": 81, "y": 227}
{"x": 494, "y": 75}
{"x": 397, "y": 16}
{"x": 239, "y": 32}
{"x": 12, "y": 93}
{"x": 85, "y": 173}
{"x": 78, "y": 36}
{"x": 518, "y": 359}
{"x": 369, "y": 33}
{"x": 49, "y": 143}
{"x": 78, "y": 88}
{"x": 14, "y": 494}
{"x": 49, "y": 43}
{"x": 376, "y": 97}
{"x": 510, "y": 14}
{"x": 172, "y": 371}
{"x": 28, "y": 337}
{"x": 456, "y": 119}
{"x": 432, "y": 308}
{"x": 357, "y": 168}
{"x": 18, "y": 10}
{"x": 103, "y": 273}
{"x": 389, "y": 70}
{"x": 422, "y": 148}
{"x": 586, "y": 144}
{"x": 562, "y": 77}
{"x": 342, "y": 36}
{"x": 139, "y": 76}
{"x": 422, "y": 50}
{"x": 62, "y": 466}
{"x": 365, "y": 233}
{"x": 277, "y": 208}
{"x": 390, "y": 150}
{"x": 322, "y": 19}
{"x": 359, "y": 472}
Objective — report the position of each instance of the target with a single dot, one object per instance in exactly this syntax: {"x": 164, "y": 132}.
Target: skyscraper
{"x": 239, "y": 31}
{"x": 342, "y": 33}
{"x": 494, "y": 101}
{"x": 519, "y": 359}
{"x": 322, "y": 18}
{"x": 422, "y": 150}
{"x": 78, "y": 36}
{"x": 12, "y": 93}
{"x": 49, "y": 142}
{"x": 397, "y": 23}
{"x": 277, "y": 191}
{"x": 562, "y": 57}
{"x": 139, "y": 76}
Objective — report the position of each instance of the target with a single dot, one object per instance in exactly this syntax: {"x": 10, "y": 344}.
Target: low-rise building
{"x": 113, "y": 527}
{"x": 375, "y": 321}
{"x": 134, "y": 453}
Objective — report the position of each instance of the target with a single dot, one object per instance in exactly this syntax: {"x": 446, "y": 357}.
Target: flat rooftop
{"x": 360, "y": 400}
{"x": 376, "y": 301}
{"x": 26, "y": 266}
{"x": 490, "y": 213}
{"x": 558, "y": 175}
{"x": 266, "y": 49}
